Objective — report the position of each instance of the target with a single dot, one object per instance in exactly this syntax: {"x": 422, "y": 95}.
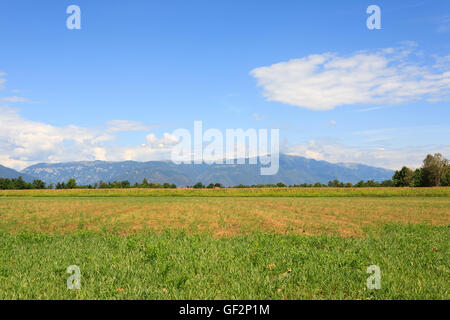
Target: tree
{"x": 335, "y": 183}
{"x": 154, "y": 185}
{"x": 125, "y": 184}
{"x": 19, "y": 184}
{"x": 145, "y": 183}
{"x": 71, "y": 184}
{"x": 387, "y": 183}
{"x": 445, "y": 178}
{"x": 433, "y": 168}
{"x": 5, "y": 184}
{"x": 198, "y": 185}
{"x": 317, "y": 185}
{"x": 417, "y": 179}
{"x": 103, "y": 185}
{"x": 38, "y": 184}
{"x": 403, "y": 177}
{"x": 371, "y": 183}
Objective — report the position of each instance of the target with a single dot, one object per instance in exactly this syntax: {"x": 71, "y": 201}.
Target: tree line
{"x": 72, "y": 184}
{"x": 20, "y": 184}
{"x": 435, "y": 171}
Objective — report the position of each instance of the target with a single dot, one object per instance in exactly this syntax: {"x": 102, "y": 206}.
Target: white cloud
{"x": 443, "y": 24}
{"x": 167, "y": 141}
{"x": 324, "y": 81}
{"x": 24, "y": 142}
{"x": 258, "y": 117}
{"x": 127, "y": 126}
{"x": 331, "y": 123}
{"x": 391, "y": 158}
{"x": 2, "y": 81}
{"x": 9, "y": 99}
{"x": 13, "y": 99}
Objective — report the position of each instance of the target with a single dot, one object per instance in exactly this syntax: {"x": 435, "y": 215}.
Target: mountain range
{"x": 11, "y": 174}
{"x": 293, "y": 170}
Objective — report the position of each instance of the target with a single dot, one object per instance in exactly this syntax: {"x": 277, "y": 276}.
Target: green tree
{"x": 403, "y": 177}
{"x": 433, "y": 168}
{"x": 71, "y": 184}
{"x": 445, "y": 178}
{"x": 317, "y": 185}
{"x": 371, "y": 183}
{"x": 387, "y": 183}
{"x": 417, "y": 180}
{"x": 38, "y": 184}
{"x": 335, "y": 183}
{"x": 360, "y": 184}
{"x": 198, "y": 185}
{"x": 19, "y": 184}
{"x": 145, "y": 183}
{"x": 125, "y": 184}
{"x": 103, "y": 185}
{"x": 154, "y": 185}
{"x": 5, "y": 184}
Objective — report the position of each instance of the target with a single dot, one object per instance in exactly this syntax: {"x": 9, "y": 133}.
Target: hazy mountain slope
{"x": 11, "y": 173}
{"x": 293, "y": 170}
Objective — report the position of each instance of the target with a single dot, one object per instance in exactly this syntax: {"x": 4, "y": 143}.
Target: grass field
{"x": 235, "y": 192}
{"x": 218, "y": 245}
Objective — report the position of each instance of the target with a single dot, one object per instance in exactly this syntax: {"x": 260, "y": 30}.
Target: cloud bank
{"x": 24, "y": 142}
{"x": 390, "y": 158}
{"x": 382, "y": 77}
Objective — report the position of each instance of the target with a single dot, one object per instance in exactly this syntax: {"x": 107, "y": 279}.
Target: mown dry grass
{"x": 221, "y": 217}
{"x": 224, "y": 247}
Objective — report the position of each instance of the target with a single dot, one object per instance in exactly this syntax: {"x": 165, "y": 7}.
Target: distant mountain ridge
{"x": 13, "y": 174}
{"x": 293, "y": 170}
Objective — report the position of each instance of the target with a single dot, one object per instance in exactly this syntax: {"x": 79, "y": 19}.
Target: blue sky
{"x": 336, "y": 90}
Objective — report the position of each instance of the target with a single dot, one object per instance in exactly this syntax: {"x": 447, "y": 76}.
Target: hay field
{"x": 224, "y": 247}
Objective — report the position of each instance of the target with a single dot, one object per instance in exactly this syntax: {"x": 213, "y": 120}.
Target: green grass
{"x": 236, "y": 192}
{"x": 414, "y": 262}
{"x": 225, "y": 244}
